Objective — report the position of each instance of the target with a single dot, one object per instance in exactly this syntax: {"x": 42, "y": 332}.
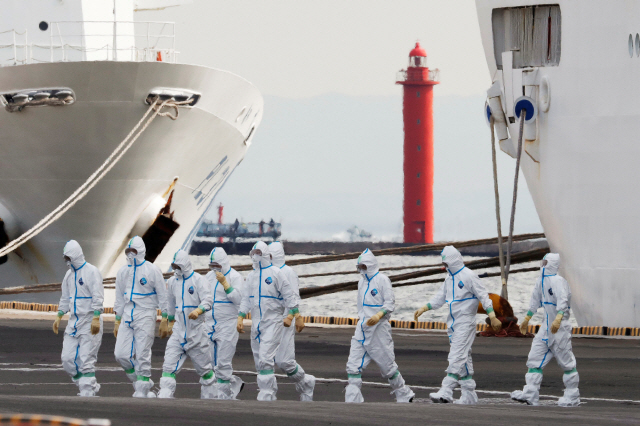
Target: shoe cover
{"x": 305, "y": 387}
{"x": 268, "y": 387}
{"x": 445, "y": 394}
{"x": 209, "y": 391}
{"x": 530, "y": 394}
{"x": 352, "y": 392}
{"x": 469, "y": 396}
{"x": 224, "y": 391}
{"x": 571, "y": 397}
{"x": 403, "y": 392}
{"x": 88, "y": 386}
{"x": 143, "y": 388}
{"x": 236, "y": 386}
{"x": 167, "y": 387}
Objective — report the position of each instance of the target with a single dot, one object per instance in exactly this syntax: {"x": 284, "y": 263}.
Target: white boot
{"x": 208, "y": 389}
{"x": 468, "y": 387}
{"x": 305, "y": 383}
{"x": 143, "y": 389}
{"x": 571, "y": 397}
{"x": 403, "y": 392}
{"x": 224, "y": 390}
{"x": 530, "y": 394}
{"x": 167, "y": 387}
{"x": 88, "y": 386}
{"x": 445, "y": 394}
{"x": 352, "y": 392}
{"x": 236, "y": 386}
{"x": 268, "y": 386}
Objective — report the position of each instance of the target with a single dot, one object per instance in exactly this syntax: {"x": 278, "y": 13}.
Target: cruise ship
{"x": 76, "y": 76}
{"x": 577, "y": 63}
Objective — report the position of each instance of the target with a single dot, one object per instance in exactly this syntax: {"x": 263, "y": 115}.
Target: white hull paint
{"x": 47, "y": 152}
{"x": 585, "y": 185}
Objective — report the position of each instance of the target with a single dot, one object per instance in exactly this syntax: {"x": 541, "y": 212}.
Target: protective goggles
{"x": 130, "y": 250}
{"x": 543, "y": 263}
{"x": 175, "y": 267}
{"x": 255, "y": 251}
{"x": 214, "y": 266}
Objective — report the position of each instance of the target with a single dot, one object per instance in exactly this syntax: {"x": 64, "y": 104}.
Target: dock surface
{"x": 32, "y": 381}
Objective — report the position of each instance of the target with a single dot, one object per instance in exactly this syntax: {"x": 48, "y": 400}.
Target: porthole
{"x": 418, "y": 121}
{"x": 637, "y": 44}
{"x": 418, "y": 174}
{"x": 418, "y": 147}
{"x": 418, "y": 202}
{"x": 417, "y": 94}
{"x": 43, "y": 25}
{"x": 631, "y": 45}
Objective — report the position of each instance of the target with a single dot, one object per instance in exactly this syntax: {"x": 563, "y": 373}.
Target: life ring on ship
{"x": 545, "y": 94}
{"x": 528, "y": 104}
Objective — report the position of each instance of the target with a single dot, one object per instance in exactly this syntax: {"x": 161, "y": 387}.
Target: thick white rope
{"x": 523, "y": 113}
{"x": 93, "y": 180}
{"x": 503, "y": 293}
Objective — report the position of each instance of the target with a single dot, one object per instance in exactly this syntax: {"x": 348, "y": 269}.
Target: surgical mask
{"x": 361, "y": 271}
{"x": 256, "y": 258}
{"x": 543, "y": 263}
{"x": 67, "y": 260}
{"x": 177, "y": 272}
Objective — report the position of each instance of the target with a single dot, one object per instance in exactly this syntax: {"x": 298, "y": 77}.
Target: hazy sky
{"x": 303, "y": 48}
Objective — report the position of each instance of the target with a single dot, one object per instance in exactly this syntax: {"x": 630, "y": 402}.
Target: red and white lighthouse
{"x": 418, "y": 82}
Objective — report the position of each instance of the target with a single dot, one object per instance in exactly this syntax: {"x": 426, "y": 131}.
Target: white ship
{"x": 579, "y": 62}
{"x": 74, "y": 79}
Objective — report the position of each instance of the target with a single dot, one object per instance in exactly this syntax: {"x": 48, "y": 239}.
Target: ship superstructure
{"x": 578, "y": 61}
{"x": 75, "y": 78}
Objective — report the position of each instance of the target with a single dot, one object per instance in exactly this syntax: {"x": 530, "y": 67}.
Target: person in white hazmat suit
{"x": 462, "y": 290}
{"x": 286, "y": 355}
{"x": 372, "y": 339}
{"x": 189, "y": 299}
{"x": 82, "y": 296}
{"x": 140, "y": 291}
{"x": 227, "y": 287}
{"x": 268, "y": 296}
{"x": 553, "y": 294}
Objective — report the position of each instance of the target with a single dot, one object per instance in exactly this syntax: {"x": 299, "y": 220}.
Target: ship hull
{"x": 585, "y": 182}
{"x": 46, "y": 153}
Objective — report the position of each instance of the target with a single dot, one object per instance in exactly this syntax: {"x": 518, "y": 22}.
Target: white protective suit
{"x": 552, "y": 293}
{"x": 187, "y": 291}
{"x": 82, "y": 296}
{"x": 375, "y": 343}
{"x": 286, "y": 355}
{"x": 268, "y": 296}
{"x": 221, "y": 324}
{"x": 140, "y": 291}
{"x": 462, "y": 290}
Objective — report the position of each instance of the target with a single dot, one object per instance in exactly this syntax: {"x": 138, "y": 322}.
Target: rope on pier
{"x": 504, "y": 293}
{"x": 97, "y": 176}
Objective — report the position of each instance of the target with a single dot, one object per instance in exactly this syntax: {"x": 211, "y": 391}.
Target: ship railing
{"x": 74, "y": 41}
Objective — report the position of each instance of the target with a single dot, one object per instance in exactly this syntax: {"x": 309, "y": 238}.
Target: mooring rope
{"x": 503, "y": 293}
{"x": 97, "y": 176}
{"x": 523, "y": 114}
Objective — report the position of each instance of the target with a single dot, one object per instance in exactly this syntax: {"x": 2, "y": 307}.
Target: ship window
{"x": 637, "y": 44}
{"x": 418, "y": 202}
{"x": 418, "y": 121}
{"x": 44, "y": 26}
{"x": 418, "y": 147}
{"x": 533, "y": 34}
{"x": 630, "y": 45}
{"x": 417, "y": 94}
{"x": 418, "y": 174}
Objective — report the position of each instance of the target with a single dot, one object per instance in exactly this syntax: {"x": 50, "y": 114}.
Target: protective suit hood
{"x": 138, "y": 244}
{"x": 367, "y": 258}
{"x": 181, "y": 258}
{"x": 277, "y": 253}
{"x": 265, "y": 259}
{"x": 452, "y": 257}
{"x": 218, "y": 255}
{"x": 74, "y": 252}
{"x": 553, "y": 263}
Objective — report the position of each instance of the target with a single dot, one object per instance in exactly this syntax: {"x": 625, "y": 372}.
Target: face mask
{"x": 361, "y": 271}
{"x": 68, "y": 262}
{"x": 215, "y": 267}
{"x": 256, "y": 258}
{"x": 543, "y": 263}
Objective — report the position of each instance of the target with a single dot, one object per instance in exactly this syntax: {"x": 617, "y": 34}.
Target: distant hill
{"x": 323, "y": 164}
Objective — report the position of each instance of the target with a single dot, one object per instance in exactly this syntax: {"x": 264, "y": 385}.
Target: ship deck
{"x": 32, "y": 381}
